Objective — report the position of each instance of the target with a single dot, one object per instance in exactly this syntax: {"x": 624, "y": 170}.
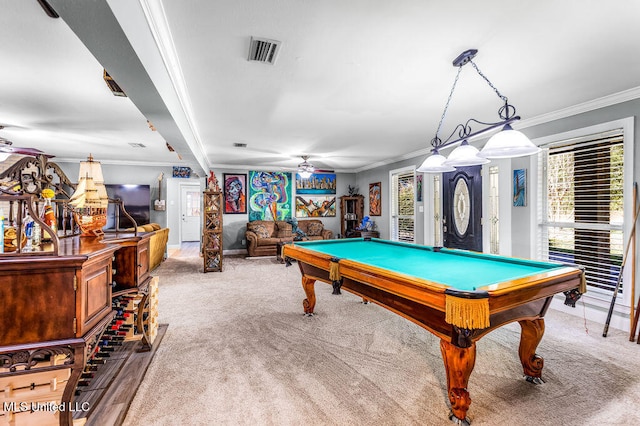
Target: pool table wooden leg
{"x": 308, "y": 284}
{"x": 532, "y": 331}
{"x": 458, "y": 364}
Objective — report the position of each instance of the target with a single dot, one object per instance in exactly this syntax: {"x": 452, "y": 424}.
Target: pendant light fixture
{"x": 505, "y": 144}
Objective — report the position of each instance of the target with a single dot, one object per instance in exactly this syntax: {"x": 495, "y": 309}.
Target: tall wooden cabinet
{"x": 351, "y": 213}
{"x": 212, "y": 231}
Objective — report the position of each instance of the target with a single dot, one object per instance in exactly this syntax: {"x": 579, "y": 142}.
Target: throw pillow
{"x": 260, "y": 230}
{"x": 284, "y": 229}
{"x": 315, "y": 229}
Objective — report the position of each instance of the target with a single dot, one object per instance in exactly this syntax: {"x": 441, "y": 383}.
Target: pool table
{"x": 457, "y": 295}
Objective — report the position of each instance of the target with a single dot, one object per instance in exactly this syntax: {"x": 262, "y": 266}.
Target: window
{"x": 494, "y": 208}
{"x": 403, "y": 207}
{"x": 583, "y": 218}
{"x": 437, "y": 211}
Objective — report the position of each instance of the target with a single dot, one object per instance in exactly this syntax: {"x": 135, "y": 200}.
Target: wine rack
{"x": 212, "y": 231}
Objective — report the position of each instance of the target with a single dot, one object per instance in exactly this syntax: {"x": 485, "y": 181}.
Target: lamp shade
{"x": 508, "y": 143}
{"x": 465, "y": 155}
{"x": 435, "y": 164}
{"x": 304, "y": 174}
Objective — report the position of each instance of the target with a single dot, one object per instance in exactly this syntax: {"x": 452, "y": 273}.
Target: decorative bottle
{"x": 28, "y": 232}
{"x": 48, "y": 215}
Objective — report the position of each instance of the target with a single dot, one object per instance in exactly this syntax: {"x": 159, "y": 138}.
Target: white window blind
{"x": 583, "y": 221}
{"x": 403, "y": 207}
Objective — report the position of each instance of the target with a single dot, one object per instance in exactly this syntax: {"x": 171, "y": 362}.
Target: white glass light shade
{"x": 4, "y": 156}
{"x": 304, "y": 174}
{"x": 434, "y": 164}
{"x": 508, "y": 143}
{"x": 465, "y": 155}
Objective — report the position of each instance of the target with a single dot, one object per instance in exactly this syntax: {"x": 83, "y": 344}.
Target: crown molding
{"x": 605, "y": 101}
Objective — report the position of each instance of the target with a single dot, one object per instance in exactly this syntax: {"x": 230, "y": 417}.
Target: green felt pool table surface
{"x": 462, "y": 270}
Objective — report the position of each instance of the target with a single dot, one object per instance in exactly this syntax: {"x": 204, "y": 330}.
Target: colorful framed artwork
{"x": 419, "y": 177}
{"x": 520, "y": 188}
{"x": 235, "y": 193}
{"x": 375, "y": 195}
{"x": 269, "y": 195}
{"x": 181, "y": 172}
{"x": 317, "y": 183}
{"x": 309, "y": 206}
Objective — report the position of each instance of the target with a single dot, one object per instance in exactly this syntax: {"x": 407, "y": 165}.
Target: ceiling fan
{"x": 7, "y": 148}
{"x": 306, "y": 169}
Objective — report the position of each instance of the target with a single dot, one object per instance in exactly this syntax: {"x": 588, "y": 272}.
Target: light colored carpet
{"x": 238, "y": 351}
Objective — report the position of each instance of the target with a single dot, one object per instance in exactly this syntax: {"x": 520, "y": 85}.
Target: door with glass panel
{"x": 190, "y": 201}
{"x": 462, "y": 208}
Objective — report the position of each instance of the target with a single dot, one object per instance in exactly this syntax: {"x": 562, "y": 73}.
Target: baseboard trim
{"x": 234, "y": 251}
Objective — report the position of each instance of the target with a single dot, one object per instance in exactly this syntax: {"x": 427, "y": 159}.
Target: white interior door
{"x": 190, "y": 202}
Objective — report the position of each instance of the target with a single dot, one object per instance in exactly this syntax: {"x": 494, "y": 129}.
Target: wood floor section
{"x": 113, "y": 389}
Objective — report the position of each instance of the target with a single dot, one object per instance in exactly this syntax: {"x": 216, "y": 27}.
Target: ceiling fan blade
{"x": 7, "y": 147}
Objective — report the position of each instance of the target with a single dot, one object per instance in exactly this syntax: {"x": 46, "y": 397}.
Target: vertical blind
{"x": 403, "y": 207}
{"x": 583, "y": 221}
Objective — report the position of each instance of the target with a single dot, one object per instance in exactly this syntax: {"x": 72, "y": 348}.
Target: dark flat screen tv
{"x": 136, "y": 198}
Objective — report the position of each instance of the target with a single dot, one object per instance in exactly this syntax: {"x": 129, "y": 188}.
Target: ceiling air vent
{"x": 264, "y": 50}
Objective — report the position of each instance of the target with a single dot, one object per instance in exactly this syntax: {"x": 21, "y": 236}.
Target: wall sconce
{"x": 506, "y": 143}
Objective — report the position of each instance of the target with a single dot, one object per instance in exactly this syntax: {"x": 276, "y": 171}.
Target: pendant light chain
{"x": 435, "y": 142}
{"x": 506, "y": 111}
{"x": 500, "y": 95}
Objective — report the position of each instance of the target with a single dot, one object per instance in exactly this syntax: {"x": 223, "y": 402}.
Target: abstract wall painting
{"x": 269, "y": 195}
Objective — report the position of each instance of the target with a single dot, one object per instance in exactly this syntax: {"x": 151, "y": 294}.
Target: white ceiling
{"x": 356, "y": 83}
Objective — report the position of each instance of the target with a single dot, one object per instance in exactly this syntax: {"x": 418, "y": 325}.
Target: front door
{"x": 190, "y": 201}
{"x": 462, "y": 208}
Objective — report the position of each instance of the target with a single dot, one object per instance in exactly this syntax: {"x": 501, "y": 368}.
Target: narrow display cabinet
{"x": 212, "y": 231}
{"x": 351, "y": 212}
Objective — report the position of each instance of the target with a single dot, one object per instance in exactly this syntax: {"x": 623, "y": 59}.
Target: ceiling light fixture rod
{"x": 505, "y": 144}
{"x": 464, "y": 131}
